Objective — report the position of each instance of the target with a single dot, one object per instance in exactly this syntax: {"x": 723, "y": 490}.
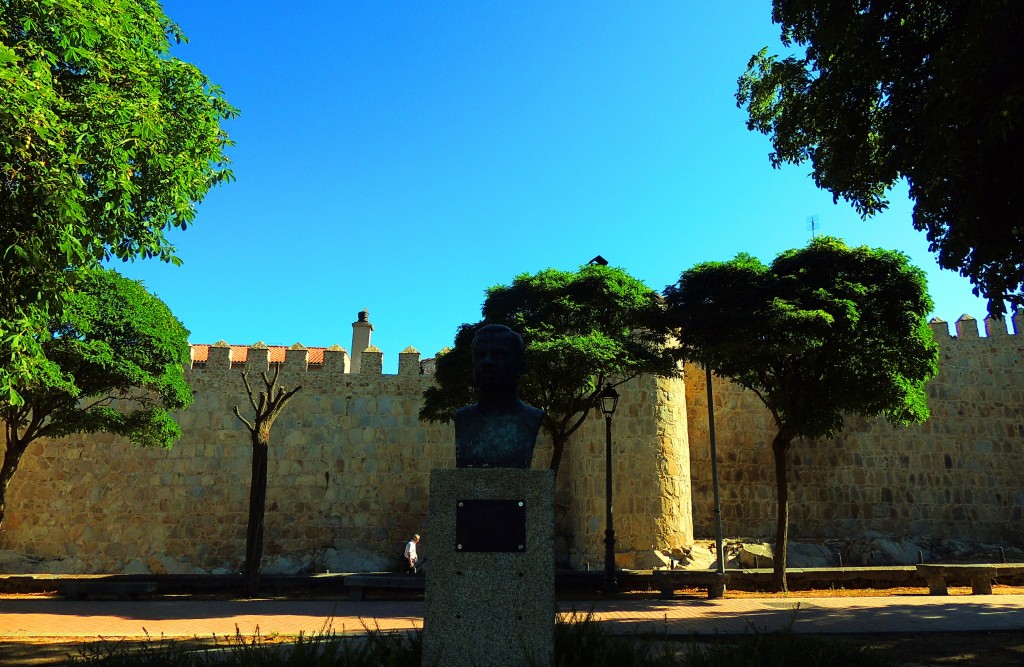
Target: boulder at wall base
{"x": 878, "y": 551}
{"x": 171, "y": 565}
{"x": 898, "y": 552}
{"x": 62, "y": 566}
{"x": 810, "y": 555}
{"x": 643, "y": 560}
{"x": 698, "y": 557}
{"x": 332, "y": 560}
{"x": 756, "y": 555}
{"x": 137, "y": 567}
{"x": 283, "y": 565}
{"x": 11, "y": 562}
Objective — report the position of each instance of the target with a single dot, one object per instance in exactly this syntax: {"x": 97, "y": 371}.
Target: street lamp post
{"x": 609, "y": 400}
{"x": 717, "y": 589}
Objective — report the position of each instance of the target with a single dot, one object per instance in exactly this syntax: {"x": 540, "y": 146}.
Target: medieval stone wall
{"x": 347, "y": 481}
{"x": 350, "y": 463}
{"x": 959, "y": 475}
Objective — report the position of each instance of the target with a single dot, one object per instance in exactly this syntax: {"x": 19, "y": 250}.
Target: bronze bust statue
{"x": 499, "y": 430}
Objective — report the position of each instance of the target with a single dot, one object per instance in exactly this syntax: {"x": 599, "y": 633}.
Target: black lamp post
{"x": 609, "y": 399}
{"x": 716, "y": 590}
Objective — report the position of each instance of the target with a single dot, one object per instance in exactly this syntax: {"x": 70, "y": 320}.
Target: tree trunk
{"x": 267, "y": 407}
{"x": 558, "y": 446}
{"x": 257, "y": 511}
{"x": 780, "y": 448}
{"x": 12, "y": 457}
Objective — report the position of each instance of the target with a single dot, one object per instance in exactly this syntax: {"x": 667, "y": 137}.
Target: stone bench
{"x": 980, "y": 575}
{"x": 79, "y": 590}
{"x": 357, "y": 584}
{"x": 667, "y": 581}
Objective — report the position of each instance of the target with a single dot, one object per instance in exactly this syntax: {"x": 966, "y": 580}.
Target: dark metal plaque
{"x": 490, "y": 525}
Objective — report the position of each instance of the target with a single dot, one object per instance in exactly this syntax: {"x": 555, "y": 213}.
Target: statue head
{"x": 499, "y": 358}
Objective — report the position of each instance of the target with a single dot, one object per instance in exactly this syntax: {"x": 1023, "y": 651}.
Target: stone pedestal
{"x": 490, "y": 596}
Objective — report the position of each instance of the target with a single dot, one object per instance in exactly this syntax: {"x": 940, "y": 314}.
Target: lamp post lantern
{"x": 609, "y": 400}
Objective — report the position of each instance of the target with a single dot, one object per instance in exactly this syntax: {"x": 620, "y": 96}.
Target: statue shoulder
{"x": 530, "y": 412}
{"x": 466, "y": 409}
{"x": 467, "y": 412}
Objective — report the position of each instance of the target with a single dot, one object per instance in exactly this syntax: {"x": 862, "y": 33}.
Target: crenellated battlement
{"x": 298, "y": 358}
{"x": 967, "y": 327}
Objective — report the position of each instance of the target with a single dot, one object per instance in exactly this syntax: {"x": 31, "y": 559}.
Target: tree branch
{"x": 245, "y": 421}
{"x": 248, "y": 390}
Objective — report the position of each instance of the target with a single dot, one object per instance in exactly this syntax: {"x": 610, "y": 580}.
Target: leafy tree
{"x": 582, "y": 329}
{"x": 267, "y": 406}
{"x": 823, "y": 331}
{"x": 930, "y": 91}
{"x": 106, "y": 142}
{"x": 119, "y": 354}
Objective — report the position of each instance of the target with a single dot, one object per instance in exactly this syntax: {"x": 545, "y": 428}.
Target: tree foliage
{"x": 119, "y": 354}
{"x": 106, "y": 142}
{"x": 582, "y": 329}
{"x": 929, "y": 91}
{"x": 824, "y": 331}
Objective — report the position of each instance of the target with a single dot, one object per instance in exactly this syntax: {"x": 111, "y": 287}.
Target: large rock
{"x": 646, "y": 560}
{"x": 756, "y": 555}
{"x": 11, "y": 562}
{"x": 898, "y": 552}
{"x": 877, "y": 549}
{"x": 171, "y": 565}
{"x": 62, "y": 566}
{"x": 698, "y": 557}
{"x": 282, "y": 565}
{"x": 332, "y": 560}
{"x": 137, "y": 566}
{"x": 801, "y": 554}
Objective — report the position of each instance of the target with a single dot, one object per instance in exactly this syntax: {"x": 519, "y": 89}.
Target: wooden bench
{"x": 980, "y": 575}
{"x": 79, "y": 590}
{"x": 667, "y": 581}
{"x": 357, "y": 584}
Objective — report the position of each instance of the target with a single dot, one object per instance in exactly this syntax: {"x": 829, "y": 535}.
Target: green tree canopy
{"x": 582, "y": 329}
{"x": 106, "y": 142}
{"x": 929, "y": 91}
{"x": 120, "y": 355}
{"x": 822, "y": 332}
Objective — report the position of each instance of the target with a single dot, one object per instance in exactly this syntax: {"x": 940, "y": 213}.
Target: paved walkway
{"x": 21, "y": 619}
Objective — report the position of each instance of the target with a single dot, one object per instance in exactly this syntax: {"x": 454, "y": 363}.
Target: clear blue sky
{"x": 404, "y": 156}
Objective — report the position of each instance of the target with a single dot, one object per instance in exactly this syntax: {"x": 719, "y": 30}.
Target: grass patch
{"x": 579, "y": 642}
{"x": 387, "y": 648}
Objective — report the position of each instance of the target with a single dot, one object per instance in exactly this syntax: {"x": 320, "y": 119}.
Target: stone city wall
{"x": 347, "y": 484}
{"x": 350, "y": 464}
{"x": 957, "y": 476}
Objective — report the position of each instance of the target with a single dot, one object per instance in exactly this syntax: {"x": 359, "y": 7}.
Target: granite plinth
{"x": 490, "y": 607}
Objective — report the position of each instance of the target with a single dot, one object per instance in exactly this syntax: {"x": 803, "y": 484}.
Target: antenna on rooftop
{"x": 813, "y": 225}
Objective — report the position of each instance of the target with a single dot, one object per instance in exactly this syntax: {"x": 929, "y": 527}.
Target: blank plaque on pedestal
{"x": 492, "y": 601}
{"x": 490, "y": 524}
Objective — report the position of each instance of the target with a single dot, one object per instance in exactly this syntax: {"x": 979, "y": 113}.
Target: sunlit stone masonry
{"x": 350, "y": 465}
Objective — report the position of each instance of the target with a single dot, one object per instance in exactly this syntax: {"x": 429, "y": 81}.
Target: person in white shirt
{"x": 410, "y": 555}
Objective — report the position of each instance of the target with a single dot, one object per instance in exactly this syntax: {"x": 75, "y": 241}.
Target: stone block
{"x": 490, "y": 607}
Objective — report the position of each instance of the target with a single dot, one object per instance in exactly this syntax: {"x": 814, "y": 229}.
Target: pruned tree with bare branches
{"x": 268, "y": 405}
